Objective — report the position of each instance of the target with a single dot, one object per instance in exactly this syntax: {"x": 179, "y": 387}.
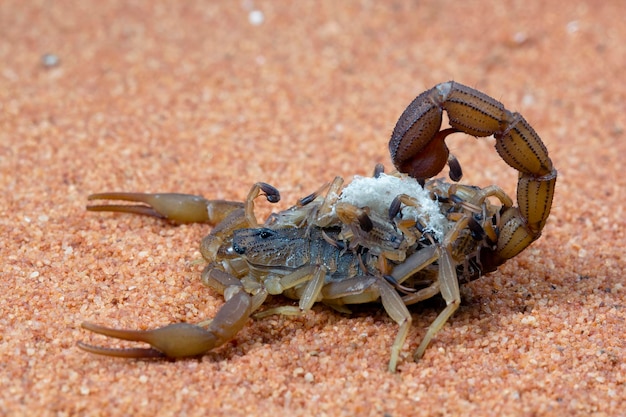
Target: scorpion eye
{"x": 266, "y": 234}
{"x": 239, "y": 249}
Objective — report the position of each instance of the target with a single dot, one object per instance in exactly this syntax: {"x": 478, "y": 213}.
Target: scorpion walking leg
{"x": 367, "y": 289}
{"x": 415, "y": 263}
{"x": 313, "y": 288}
{"x": 423, "y": 294}
{"x": 395, "y": 307}
{"x": 449, "y": 288}
{"x": 312, "y": 275}
{"x": 447, "y": 283}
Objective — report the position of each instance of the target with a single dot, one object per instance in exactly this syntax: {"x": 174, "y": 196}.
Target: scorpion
{"x": 397, "y": 238}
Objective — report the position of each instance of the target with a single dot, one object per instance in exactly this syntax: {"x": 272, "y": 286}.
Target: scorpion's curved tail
{"x": 417, "y": 148}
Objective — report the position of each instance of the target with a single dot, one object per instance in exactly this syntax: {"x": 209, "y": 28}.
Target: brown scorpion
{"x": 399, "y": 238}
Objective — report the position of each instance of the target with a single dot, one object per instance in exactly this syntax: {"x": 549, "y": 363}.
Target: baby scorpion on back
{"x": 399, "y": 238}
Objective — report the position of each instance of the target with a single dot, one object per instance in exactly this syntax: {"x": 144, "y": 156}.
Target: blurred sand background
{"x": 208, "y": 97}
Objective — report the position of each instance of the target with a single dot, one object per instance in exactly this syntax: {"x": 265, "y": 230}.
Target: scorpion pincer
{"x": 399, "y": 238}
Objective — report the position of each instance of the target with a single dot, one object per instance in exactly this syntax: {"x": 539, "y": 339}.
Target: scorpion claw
{"x": 172, "y": 341}
{"x": 179, "y": 208}
{"x": 178, "y": 340}
{"x": 130, "y": 353}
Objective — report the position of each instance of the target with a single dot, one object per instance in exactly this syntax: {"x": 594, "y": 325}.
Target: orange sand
{"x": 195, "y": 97}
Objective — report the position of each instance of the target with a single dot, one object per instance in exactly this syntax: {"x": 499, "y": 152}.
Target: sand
{"x": 210, "y": 97}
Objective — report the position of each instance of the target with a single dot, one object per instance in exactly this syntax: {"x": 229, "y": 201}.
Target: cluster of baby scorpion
{"x": 398, "y": 239}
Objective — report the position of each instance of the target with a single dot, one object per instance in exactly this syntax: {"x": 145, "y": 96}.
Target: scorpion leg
{"x": 313, "y": 288}
{"x": 305, "y": 282}
{"x": 179, "y": 208}
{"x": 395, "y": 307}
{"x": 449, "y": 289}
{"x": 415, "y": 263}
{"x": 312, "y": 275}
{"x": 180, "y": 339}
{"x": 228, "y": 285}
{"x": 366, "y": 289}
{"x": 447, "y": 282}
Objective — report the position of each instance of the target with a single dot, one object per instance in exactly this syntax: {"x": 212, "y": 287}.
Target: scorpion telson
{"x": 384, "y": 238}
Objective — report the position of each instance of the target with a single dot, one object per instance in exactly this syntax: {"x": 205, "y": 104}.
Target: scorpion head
{"x": 264, "y": 247}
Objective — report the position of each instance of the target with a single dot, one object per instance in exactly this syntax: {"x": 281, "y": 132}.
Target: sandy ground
{"x": 210, "y": 97}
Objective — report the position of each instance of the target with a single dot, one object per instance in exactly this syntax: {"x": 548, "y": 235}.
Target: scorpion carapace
{"x": 398, "y": 239}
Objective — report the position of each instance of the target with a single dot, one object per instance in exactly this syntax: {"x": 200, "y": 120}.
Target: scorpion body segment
{"x": 397, "y": 238}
